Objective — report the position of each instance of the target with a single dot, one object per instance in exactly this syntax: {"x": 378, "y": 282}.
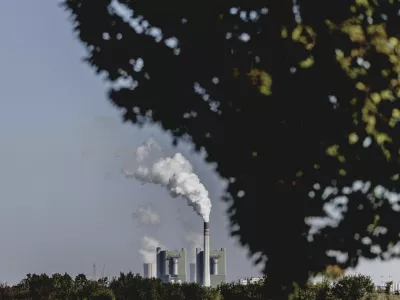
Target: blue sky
{"x": 64, "y": 202}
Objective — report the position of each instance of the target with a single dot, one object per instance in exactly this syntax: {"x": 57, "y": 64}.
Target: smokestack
{"x": 206, "y": 261}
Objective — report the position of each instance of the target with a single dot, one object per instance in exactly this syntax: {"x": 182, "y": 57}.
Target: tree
{"x": 318, "y": 291}
{"x": 62, "y": 286}
{"x": 235, "y": 291}
{"x": 97, "y": 291}
{"x": 323, "y": 291}
{"x": 138, "y": 288}
{"x": 38, "y": 286}
{"x": 352, "y": 287}
{"x": 388, "y": 287}
{"x": 296, "y": 105}
{"x": 129, "y": 286}
{"x": 5, "y": 292}
{"x": 194, "y": 291}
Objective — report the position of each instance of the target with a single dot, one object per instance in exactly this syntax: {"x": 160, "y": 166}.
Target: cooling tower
{"x": 173, "y": 266}
{"x": 206, "y": 261}
{"x": 192, "y": 274}
{"x": 199, "y": 266}
{"x": 148, "y": 270}
{"x": 214, "y": 266}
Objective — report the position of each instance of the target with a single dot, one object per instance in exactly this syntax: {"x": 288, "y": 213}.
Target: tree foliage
{"x": 388, "y": 287}
{"x": 129, "y": 286}
{"x": 319, "y": 291}
{"x": 296, "y": 105}
{"x": 352, "y": 287}
{"x": 125, "y": 287}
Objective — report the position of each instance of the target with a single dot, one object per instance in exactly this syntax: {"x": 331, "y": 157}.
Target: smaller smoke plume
{"x": 194, "y": 240}
{"x": 146, "y": 216}
{"x": 147, "y": 249}
{"x": 175, "y": 173}
{"x": 148, "y": 150}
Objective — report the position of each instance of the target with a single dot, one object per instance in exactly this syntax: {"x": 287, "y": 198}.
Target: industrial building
{"x": 249, "y": 280}
{"x": 217, "y": 267}
{"x": 171, "y": 265}
{"x": 149, "y": 270}
{"x": 192, "y": 272}
{"x": 209, "y": 269}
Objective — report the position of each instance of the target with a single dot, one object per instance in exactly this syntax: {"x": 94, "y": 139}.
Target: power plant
{"x": 216, "y": 267}
{"x": 171, "y": 265}
{"x": 176, "y": 174}
{"x": 209, "y": 269}
{"x": 149, "y": 270}
{"x": 192, "y": 272}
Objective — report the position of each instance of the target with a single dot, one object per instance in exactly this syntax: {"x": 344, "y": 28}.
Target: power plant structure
{"x": 171, "y": 265}
{"x": 209, "y": 269}
{"x": 206, "y": 266}
{"x": 192, "y": 272}
{"x": 149, "y": 270}
{"x": 216, "y": 266}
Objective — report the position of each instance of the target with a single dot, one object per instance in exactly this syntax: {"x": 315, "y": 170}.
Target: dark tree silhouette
{"x": 296, "y": 104}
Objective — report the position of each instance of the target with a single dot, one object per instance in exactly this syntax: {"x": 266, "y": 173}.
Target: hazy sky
{"x": 64, "y": 202}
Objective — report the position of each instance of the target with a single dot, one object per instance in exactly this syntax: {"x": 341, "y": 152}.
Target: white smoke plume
{"x": 146, "y": 216}
{"x": 147, "y": 249}
{"x": 148, "y": 150}
{"x": 175, "y": 173}
{"x": 194, "y": 240}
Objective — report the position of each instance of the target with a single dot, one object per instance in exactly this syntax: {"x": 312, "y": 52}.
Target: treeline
{"x": 125, "y": 287}
{"x": 134, "y": 287}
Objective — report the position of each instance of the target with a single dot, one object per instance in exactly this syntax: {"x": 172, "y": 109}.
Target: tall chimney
{"x": 206, "y": 261}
